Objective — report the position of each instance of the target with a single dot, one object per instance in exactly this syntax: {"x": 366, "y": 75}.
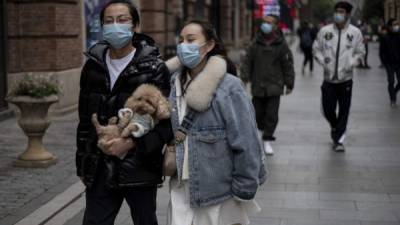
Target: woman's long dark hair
{"x": 211, "y": 35}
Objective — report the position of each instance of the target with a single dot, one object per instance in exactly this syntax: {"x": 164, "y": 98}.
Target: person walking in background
{"x": 307, "y": 35}
{"x": 269, "y": 68}
{"x": 366, "y": 31}
{"x": 382, "y": 32}
{"x": 337, "y": 49}
{"x": 390, "y": 56}
{"x": 127, "y": 168}
{"x": 220, "y": 160}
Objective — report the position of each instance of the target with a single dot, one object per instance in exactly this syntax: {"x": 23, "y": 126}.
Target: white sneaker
{"x": 268, "y": 148}
{"x": 342, "y": 138}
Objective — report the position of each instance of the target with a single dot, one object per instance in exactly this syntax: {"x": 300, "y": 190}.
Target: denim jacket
{"x": 226, "y": 157}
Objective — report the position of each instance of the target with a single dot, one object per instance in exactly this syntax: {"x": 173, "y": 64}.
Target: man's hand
{"x": 288, "y": 91}
{"x": 118, "y": 147}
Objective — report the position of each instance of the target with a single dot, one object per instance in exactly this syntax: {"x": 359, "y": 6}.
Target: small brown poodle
{"x": 141, "y": 112}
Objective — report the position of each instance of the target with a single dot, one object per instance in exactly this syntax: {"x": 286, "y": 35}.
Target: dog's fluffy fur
{"x": 146, "y": 99}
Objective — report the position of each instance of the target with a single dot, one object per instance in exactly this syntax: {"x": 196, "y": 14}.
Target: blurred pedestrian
{"x": 382, "y": 32}
{"x": 337, "y": 49}
{"x": 220, "y": 160}
{"x": 390, "y": 57}
{"x": 269, "y": 68}
{"x": 366, "y": 31}
{"x": 307, "y": 35}
{"x": 128, "y": 168}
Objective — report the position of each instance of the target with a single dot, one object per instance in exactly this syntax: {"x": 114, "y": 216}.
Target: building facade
{"x": 48, "y": 37}
{"x": 45, "y": 37}
{"x": 392, "y": 9}
{"x": 3, "y": 69}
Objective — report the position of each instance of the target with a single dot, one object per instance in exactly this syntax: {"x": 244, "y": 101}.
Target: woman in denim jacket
{"x": 220, "y": 162}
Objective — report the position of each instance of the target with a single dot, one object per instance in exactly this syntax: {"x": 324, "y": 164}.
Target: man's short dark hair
{"x": 276, "y": 17}
{"x": 344, "y": 5}
{"x": 132, "y": 10}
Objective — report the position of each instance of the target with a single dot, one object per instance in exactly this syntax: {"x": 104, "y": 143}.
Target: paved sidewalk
{"x": 23, "y": 190}
{"x": 308, "y": 184}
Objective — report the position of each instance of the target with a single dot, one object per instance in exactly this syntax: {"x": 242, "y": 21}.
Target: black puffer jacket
{"x": 389, "y": 49}
{"x": 142, "y": 166}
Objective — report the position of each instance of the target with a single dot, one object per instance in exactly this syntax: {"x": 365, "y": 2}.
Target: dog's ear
{"x": 130, "y": 102}
{"x": 163, "y": 109}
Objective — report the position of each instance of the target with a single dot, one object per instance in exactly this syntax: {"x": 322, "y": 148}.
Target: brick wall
{"x": 226, "y": 21}
{"x": 44, "y": 35}
{"x": 159, "y": 20}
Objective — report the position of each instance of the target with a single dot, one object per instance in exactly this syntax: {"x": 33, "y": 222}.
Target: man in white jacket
{"x": 337, "y": 49}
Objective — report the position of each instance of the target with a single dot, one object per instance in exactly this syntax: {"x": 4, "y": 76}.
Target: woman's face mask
{"x": 189, "y": 54}
{"x": 117, "y": 35}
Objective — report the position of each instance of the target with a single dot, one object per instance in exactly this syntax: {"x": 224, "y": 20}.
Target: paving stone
{"x": 367, "y": 215}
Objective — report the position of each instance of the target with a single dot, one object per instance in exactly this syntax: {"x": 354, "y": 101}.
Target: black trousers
{"x": 103, "y": 204}
{"x": 308, "y": 57}
{"x": 334, "y": 95}
{"x": 267, "y": 109}
{"x": 366, "y": 54}
{"x": 393, "y": 74}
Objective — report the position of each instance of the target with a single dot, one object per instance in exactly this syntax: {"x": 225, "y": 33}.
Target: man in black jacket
{"x": 130, "y": 168}
{"x": 390, "y": 57}
{"x": 269, "y": 68}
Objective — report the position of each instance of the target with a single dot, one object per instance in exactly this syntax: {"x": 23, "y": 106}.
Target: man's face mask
{"x": 396, "y": 28}
{"x": 117, "y": 35}
{"x": 266, "y": 28}
{"x": 189, "y": 54}
{"x": 339, "y": 18}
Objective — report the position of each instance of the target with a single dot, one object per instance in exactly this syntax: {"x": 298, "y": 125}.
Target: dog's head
{"x": 147, "y": 99}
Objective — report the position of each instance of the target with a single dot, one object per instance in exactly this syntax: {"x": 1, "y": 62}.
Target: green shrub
{"x": 35, "y": 86}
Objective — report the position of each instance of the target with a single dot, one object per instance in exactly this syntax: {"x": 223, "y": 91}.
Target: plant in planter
{"x": 33, "y": 95}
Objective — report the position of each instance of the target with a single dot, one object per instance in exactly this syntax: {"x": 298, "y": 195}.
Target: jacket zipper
{"x": 336, "y": 75}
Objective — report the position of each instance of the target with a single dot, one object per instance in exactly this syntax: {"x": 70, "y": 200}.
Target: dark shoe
{"x": 367, "y": 67}
{"x": 338, "y": 147}
{"x": 270, "y": 138}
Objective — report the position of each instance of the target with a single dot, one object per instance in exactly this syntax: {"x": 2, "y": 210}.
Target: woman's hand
{"x": 119, "y": 147}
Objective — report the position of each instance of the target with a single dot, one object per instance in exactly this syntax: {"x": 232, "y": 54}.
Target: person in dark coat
{"x": 269, "y": 68}
{"x": 389, "y": 52}
{"x": 128, "y": 168}
{"x": 307, "y": 34}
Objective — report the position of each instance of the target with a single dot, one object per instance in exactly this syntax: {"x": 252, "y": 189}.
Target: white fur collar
{"x": 200, "y": 92}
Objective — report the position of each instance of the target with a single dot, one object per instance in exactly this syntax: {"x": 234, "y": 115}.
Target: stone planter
{"x": 34, "y": 122}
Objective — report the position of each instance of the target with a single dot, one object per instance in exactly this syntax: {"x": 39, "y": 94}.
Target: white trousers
{"x": 230, "y": 212}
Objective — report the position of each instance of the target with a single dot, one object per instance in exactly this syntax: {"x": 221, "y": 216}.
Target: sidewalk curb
{"x": 48, "y": 211}
{"x": 41, "y": 200}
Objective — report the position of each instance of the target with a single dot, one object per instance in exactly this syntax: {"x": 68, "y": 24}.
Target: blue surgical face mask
{"x": 339, "y": 18}
{"x": 189, "y": 54}
{"x": 117, "y": 35}
{"x": 266, "y": 28}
